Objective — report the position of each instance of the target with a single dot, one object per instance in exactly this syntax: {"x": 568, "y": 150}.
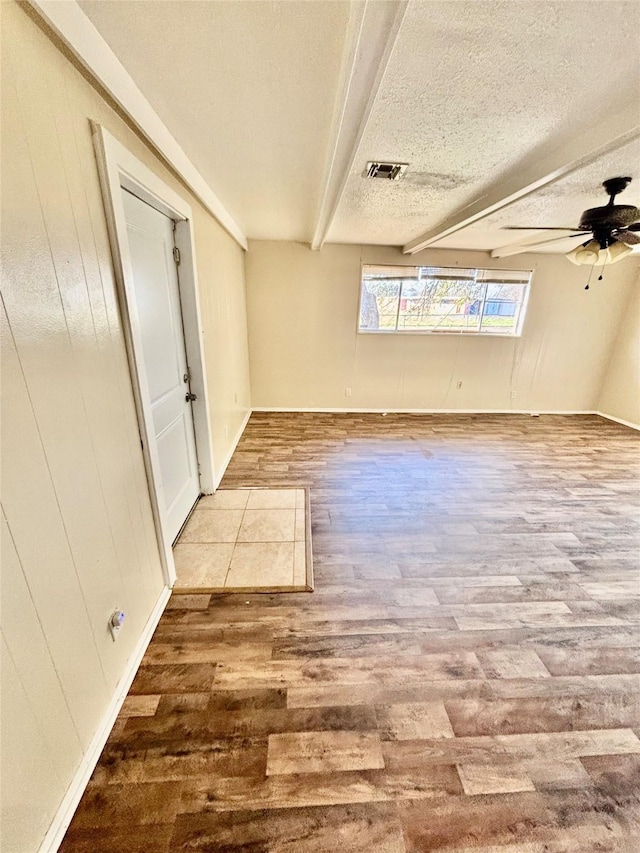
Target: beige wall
{"x": 620, "y": 395}
{"x": 77, "y": 533}
{"x": 305, "y": 351}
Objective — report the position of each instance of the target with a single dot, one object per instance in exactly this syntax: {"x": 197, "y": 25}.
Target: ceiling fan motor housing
{"x": 614, "y": 186}
{"x": 609, "y": 216}
{"x": 609, "y": 224}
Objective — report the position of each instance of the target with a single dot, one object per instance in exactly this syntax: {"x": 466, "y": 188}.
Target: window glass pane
{"x": 502, "y": 308}
{"x": 440, "y": 304}
{"x": 379, "y": 304}
{"x": 442, "y": 299}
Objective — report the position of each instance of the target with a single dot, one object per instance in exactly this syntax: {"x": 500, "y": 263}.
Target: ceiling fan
{"x": 614, "y": 228}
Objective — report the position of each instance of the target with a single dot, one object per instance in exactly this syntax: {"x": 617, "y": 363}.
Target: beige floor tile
{"x": 301, "y": 526}
{"x": 225, "y": 499}
{"x": 493, "y": 779}
{"x": 270, "y": 519}
{"x": 267, "y": 525}
{"x": 257, "y": 564}
{"x": 300, "y": 564}
{"x": 272, "y": 499}
{"x": 217, "y": 525}
{"x": 202, "y": 565}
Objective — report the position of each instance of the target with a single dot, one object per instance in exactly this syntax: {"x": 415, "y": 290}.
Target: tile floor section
{"x": 243, "y": 539}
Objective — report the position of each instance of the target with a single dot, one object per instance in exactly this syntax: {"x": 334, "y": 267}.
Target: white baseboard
{"x": 232, "y": 449}
{"x": 349, "y": 411}
{"x": 69, "y": 804}
{"x": 618, "y": 420}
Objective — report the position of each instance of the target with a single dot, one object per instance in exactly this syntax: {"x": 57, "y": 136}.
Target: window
{"x": 442, "y": 299}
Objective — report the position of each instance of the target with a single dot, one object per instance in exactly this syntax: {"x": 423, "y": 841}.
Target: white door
{"x": 157, "y": 298}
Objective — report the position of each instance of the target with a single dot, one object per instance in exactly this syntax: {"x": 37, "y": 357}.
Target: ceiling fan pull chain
{"x": 590, "y": 274}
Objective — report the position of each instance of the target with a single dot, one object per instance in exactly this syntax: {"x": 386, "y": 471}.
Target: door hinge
{"x": 176, "y": 255}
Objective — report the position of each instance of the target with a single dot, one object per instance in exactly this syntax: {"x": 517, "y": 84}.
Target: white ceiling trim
{"x": 360, "y": 82}
{"x": 609, "y": 135}
{"x": 78, "y": 33}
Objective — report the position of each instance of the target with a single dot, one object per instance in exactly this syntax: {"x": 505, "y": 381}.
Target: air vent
{"x": 386, "y": 171}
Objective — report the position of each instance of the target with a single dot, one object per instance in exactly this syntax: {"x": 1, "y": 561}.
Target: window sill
{"x": 438, "y": 334}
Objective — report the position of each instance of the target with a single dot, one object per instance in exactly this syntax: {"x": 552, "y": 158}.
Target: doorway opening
{"x": 152, "y": 240}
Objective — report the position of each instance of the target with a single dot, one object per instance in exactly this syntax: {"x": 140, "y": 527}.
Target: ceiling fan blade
{"x": 627, "y": 237}
{"x": 532, "y": 245}
{"x": 544, "y": 240}
{"x": 635, "y": 226}
{"x": 536, "y": 228}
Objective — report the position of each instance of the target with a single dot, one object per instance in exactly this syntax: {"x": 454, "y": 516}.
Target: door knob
{"x": 190, "y": 397}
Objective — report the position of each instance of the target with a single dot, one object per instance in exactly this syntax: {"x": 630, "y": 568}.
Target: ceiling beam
{"x": 371, "y": 35}
{"x": 536, "y": 172}
{"x": 74, "y": 28}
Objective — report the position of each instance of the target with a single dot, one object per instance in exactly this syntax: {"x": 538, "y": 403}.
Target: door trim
{"x": 120, "y": 169}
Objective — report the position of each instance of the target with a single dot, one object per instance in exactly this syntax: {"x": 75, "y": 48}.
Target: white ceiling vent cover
{"x": 386, "y": 171}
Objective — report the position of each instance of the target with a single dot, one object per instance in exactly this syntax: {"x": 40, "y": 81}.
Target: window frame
{"x": 448, "y": 331}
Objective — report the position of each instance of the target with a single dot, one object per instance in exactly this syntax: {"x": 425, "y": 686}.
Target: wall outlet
{"x": 115, "y": 623}
{"x": 459, "y": 384}
{"x": 513, "y": 394}
{"x": 347, "y": 392}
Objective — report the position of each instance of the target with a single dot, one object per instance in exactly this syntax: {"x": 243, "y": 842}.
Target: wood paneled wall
{"x": 620, "y": 395}
{"x": 303, "y": 309}
{"x": 77, "y": 532}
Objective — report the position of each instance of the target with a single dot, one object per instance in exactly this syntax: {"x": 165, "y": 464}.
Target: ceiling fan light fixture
{"x": 615, "y": 229}
{"x": 586, "y": 253}
{"x": 618, "y": 251}
{"x": 590, "y": 253}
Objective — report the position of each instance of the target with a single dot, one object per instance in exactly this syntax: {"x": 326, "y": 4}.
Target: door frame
{"x": 119, "y": 169}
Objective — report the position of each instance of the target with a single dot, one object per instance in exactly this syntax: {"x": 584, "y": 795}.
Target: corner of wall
{"x": 619, "y": 393}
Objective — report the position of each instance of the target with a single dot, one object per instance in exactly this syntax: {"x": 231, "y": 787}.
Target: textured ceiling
{"x": 246, "y": 88}
{"x": 559, "y": 204}
{"x": 471, "y": 91}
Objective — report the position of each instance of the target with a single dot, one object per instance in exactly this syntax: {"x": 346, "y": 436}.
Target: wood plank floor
{"x": 464, "y": 679}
